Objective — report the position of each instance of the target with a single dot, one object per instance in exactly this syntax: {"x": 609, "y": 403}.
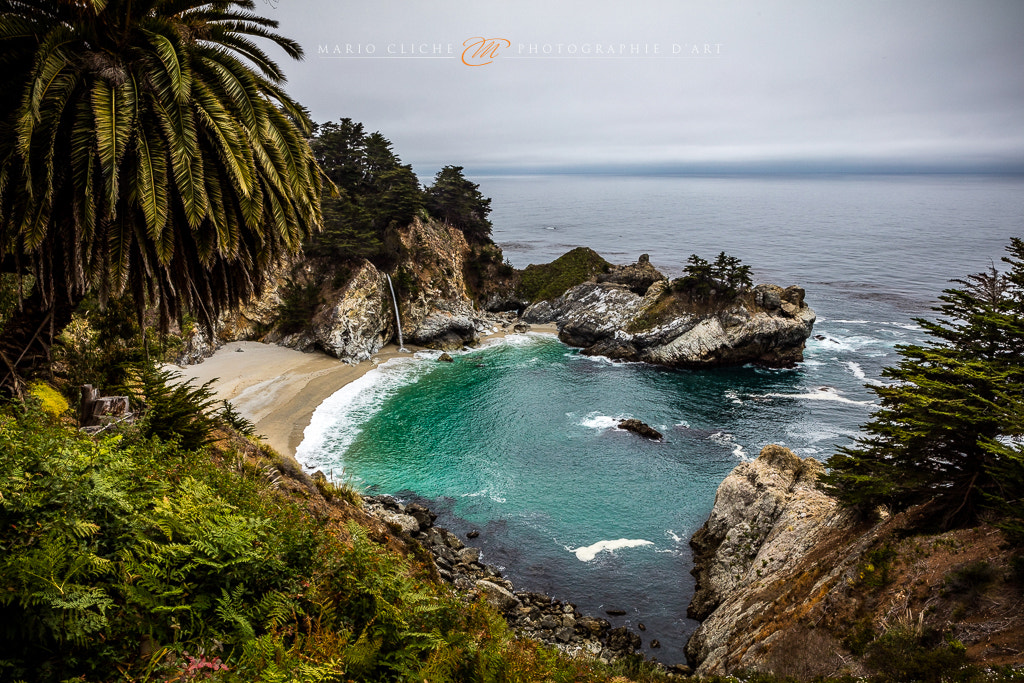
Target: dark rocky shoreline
{"x": 533, "y": 615}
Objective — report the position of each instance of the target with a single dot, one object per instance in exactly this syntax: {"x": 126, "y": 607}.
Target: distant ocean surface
{"x": 517, "y": 439}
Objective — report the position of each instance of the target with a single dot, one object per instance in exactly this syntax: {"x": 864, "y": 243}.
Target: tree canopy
{"x": 457, "y": 200}
{"x": 375, "y": 191}
{"x": 726, "y": 275}
{"x": 949, "y": 429}
{"x": 146, "y": 147}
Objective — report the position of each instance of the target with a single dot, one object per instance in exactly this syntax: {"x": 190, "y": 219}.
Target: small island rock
{"x": 641, "y": 428}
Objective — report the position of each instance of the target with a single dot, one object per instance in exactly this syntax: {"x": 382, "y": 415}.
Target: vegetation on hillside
{"x": 949, "y": 431}
{"x": 127, "y": 557}
{"x": 552, "y": 280}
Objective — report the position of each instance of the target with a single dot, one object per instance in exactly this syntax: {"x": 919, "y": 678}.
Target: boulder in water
{"x": 641, "y": 428}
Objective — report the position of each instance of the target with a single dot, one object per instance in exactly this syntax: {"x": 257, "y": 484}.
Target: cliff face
{"x": 790, "y": 583}
{"x": 632, "y": 314}
{"x": 435, "y": 304}
{"x": 348, "y": 311}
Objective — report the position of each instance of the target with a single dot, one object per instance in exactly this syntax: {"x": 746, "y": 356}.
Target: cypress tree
{"x": 947, "y": 425}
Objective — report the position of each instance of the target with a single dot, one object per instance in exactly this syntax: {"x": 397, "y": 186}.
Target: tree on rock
{"x": 457, "y": 200}
{"x": 948, "y": 430}
{"x": 146, "y": 148}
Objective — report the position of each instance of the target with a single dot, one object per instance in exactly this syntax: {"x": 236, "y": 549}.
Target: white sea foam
{"x": 904, "y": 326}
{"x": 599, "y": 422}
{"x": 485, "y": 493}
{"x": 334, "y": 424}
{"x": 822, "y": 394}
{"x": 858, "y": 372}
{"x": 727, "y": 440}
{"x": 588, "y": 553}
{"x": 603, "y": 360}
{"x": 733, "y": 396}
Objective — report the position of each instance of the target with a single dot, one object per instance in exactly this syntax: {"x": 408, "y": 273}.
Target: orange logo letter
{"x": 482, "y": 51}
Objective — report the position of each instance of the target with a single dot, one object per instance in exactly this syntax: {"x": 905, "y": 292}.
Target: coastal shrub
{"x": 236, "y": 420}
{"x": 970, "y": 581}
{"x": 551, "y": 280}
{"x": 875, "y": 570}
{"x": 102, "y": 344}
{"x": 171, "y": 410}
{"x": 905, "y": 655}
{"x": 50, "y": 400}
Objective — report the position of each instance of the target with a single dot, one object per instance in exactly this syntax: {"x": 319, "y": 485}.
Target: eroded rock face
{"x": 637, "y": 277}
{"x": 769, "y": 326}
{"x": 439, "y": 313}
{"x": 767, "y": 515}
{"x": 357, "y": 320}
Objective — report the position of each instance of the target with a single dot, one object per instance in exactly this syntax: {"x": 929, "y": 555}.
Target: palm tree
{"x": 146, "y": 148}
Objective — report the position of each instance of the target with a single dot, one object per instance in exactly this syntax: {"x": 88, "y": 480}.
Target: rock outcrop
{"x": 435, "y": 306}
{"x": 641, "y": 428}
{"x": 767, "y": 515}
{"x": 790, "y": 583}
{"x": 352, "y": 315}
{"x": 608, "y": 317}
{"x": 637, "y": 277}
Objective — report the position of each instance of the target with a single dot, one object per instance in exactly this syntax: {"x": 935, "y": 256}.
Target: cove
{"x": 518, "y": 440}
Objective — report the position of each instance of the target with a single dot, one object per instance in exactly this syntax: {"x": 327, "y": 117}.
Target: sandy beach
{"x": 279, "y": 388}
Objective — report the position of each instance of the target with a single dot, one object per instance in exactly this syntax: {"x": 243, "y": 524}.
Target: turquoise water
{"x": 518, "y": 439}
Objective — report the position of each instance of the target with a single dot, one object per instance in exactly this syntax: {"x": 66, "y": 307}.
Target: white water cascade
{"x": 398, "y": 322}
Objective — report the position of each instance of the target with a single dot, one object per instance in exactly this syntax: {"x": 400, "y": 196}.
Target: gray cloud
{"x": 798, "y": 84}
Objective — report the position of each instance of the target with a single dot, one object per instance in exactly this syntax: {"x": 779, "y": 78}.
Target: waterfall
{"x": 398, "y": 322}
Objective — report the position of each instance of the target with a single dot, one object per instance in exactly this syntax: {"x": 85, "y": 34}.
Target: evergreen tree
{"x": 947, "y": 426}
{"x": 457, "y": 200}
{"x": 374, "y": 192}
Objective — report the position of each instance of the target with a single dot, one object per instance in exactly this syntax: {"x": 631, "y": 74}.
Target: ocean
{"x": 517, "y": 439}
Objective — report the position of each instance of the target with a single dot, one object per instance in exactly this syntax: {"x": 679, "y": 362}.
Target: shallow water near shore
{"x": 518, "y": 439}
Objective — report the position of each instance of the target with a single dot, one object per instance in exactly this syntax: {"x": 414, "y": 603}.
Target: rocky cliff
{"x": 790, "y": 583}
{"x": 347, "y": 311}
{"x": 633, "y": 313}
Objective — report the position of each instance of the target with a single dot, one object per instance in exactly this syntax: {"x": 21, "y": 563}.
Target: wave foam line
{"x": 822, "y": 395}
{"x": 335, "y": 421}
{"x": 600, "y": 422}
{"x": 588, "y": 553}
{"x": 858, "y": 372}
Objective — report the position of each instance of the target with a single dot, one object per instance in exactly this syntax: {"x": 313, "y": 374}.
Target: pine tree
{"x": 942, "y": 433}
{"x": 457, "y": 200}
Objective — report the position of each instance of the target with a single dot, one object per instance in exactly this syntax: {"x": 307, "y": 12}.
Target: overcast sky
{"x": 717, "y": 84}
